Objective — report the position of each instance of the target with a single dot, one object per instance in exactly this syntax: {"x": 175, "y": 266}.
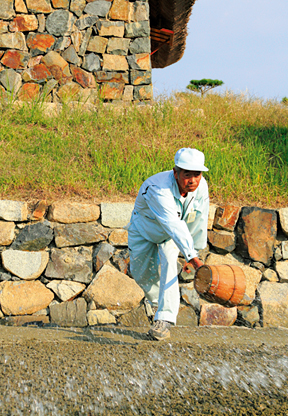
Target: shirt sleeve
{"x": 162, "y": 206}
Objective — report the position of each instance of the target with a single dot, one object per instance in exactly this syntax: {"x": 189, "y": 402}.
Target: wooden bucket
{"x": 223, "y": 284}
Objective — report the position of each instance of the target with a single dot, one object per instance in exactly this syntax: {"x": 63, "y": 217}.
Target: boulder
{"x": 116, "y": 215}
{"x": 71, "y": 264}
{"x": 257, "y": 229}
{"x": 27, "y": 265}
{"x": 60, "y": 4}
{"x": 274, "y": 301}
{"x": 39, "y": 210}
{"x": 141, "y": 11}
{"x": 283, "y": 214}
{"x": 39, "y": 73}
{"x": 282, "y": 270}
{"x": 135, "y": 318}
{"x": 71, "y": 212}
{"x": 78, "y": 234}
{"x": 41, "y": 22}
{"x": 21, "y": 298}
{"x": 100, "y": 317}
{"x": 118, "y": 238}
{"x": 33, "y": 237}
{"x": 62, "y": 43}
{"x": 3, "y": 27}
{"x": 128, "y": 93}
{"x": 226, "y": 217}
{"x": 7, "y": 233}
{"x": 214, "y": 314}
{"x": 66, "y": 290}
{"x": 123, "y": 293}
{"x": 69, "y": 92}
{"x": 102, "y": 253}
{"x": 71, "y": 313}
{"x": 223, "y": 241}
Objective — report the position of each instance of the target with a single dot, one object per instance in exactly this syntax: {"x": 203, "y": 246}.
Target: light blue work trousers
{"x": 161, "y": 287}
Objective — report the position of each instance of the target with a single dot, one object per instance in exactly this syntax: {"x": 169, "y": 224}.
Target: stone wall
{"x": 67, "y": 264}
{"x": 75, "y": 50}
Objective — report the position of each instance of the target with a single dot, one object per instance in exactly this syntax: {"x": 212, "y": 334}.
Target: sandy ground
{"x": 116, "y": 371}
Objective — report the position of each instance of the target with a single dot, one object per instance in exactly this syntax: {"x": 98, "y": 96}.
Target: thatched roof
{"x": 173, "y": 15}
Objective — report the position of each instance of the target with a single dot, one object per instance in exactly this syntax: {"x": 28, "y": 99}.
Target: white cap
{"x": 190, "y": 159}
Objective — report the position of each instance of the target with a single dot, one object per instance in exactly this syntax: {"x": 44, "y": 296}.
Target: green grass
{"x": 108, "y": 153}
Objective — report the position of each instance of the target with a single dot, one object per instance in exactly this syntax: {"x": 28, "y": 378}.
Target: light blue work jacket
{"x": 159, "y": 214}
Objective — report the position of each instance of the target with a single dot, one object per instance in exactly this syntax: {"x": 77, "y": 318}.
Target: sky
{"x": 244, "y": 43}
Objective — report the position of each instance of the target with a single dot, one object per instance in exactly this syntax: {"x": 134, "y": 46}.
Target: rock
{"x": 112, "y": 76}
{"x": 62, "y": 43}
{"x": 41, "y": 23}
{"x": 248, "y": 316}
{"x": 15, "y": 59}
{"x": 77, "y": 234}
{"x": 5, "y": 276}
{"x": 274, "y": 300}
{"x": 106, "y": 28}
{"x": 100, "y": 317}
{"x": 39, "y": 73}
{"x": 140, "y": 77}
{"x": 70, "y": 55}
{"x": 84, "y": 78}
{"x": 20, "y": 6}
{"x": 39, "y": 6}
{"x": 285, "y": 250}
{"x": 13, "y": 41}
{"x": 253, "y": 276}
{"x": 71, "y": 264}
{"x": 256, "y": 231}
{"x": 116, "y": 215}
{"x": 114, "y": 63}
{"x": 85, "y": 42}
{"x": 39, "y": 320}
{"x": 103, "y": 252}
{"x": 128, "y": 93}
{"x": 118, "y": 46}
{"x": 202, "y": 254}
{"x": 77, "y": 38}
{"x": 187, "y": 316}
{"x": 278, "y": 254}
{"x": 71, "y": 212}
{"x": 24, "y": 23}
{"x": 190, "y": 296}
{"x": 270, "y": 275}
{"x": 27, "y": 265}
{"x": 119, "y": 238}
{"x": 40, "y": 43}
{"x": 11, "y": 80}
{"x": 143, "y": 92}
{"x": 283, "y": 214}
{"x": 140, "y": 61}
{"x": 77, "y": 6}
{"x": 141, "y": 11}
{"x": 65, "y": 289}
{"x": 98, "y": 8}
{"x": 86, "y": 21}
{"x": 123, "y": 293}
{"x": 71, "y": 313}
{"x": 137, "y": 29}
{"x": 211, "y": 216}
{"x": 7, "y": 233}
{"x": 226, "y": 217}
{"x": 258, "y": 265}
{"x": 91, "y": 62}
{"x": 13, "y": 210}
{"x": 33, "y": 237}
{"x": 3, "y": 27}
{"x": 21, "y": 298}
{"x": 140, "y": 45}
{"x": 97, "y": 44}
{"x": 121, "y": 260}
{"x": 40, "y": 208}
{"x": 185, "y": 276}
{"x": 224, "y": 242}
{"x": 60, "y": 4}
{"x": 119, "y": 10}
{"x": 112, "y": 90}
{"x": 135, "y": 318}
{"x": 6, "y": 9}
{"x": 282, "y": 270}
{"x": 60, "y": 23}
{"x": 69, "y": 92}
{"x": 58, "y": 67}
{"x": 214, "y": 314}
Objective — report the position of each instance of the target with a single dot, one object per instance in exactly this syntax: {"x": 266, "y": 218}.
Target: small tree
{"x": 284, "y": 100}
{"x": 203, "y": 85}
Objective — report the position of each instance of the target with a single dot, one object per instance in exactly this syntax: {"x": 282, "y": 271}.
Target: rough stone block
{"x": 211, "y": 216}
{"x": 143, "y": 92}
{"x": 77, "y": 6}
{"x": 118, "y": 46}
{"x": 274, "y": 301}
{"x": 3, "y": 27}
{"x": 283, "y": 214}
{"x": 270, "y": 275}
{"x": 116, "y": 215}
{"x": 128, "y": 93}
{"x": 7, "y": 233}
{"x": 71, "y": 313}
{"x": 69, "y": 92}
{"x": 85, "y": 42}
{"x": 24, "y": 298}
{"x": 187, "y": 317}
{"x": 119, "y": 238}
{"x": 38, "y": 73}
{"x": 256, "y": 231}
{"x": 33, "y": 237}
{"x": 106, "y": 28}
{"x": 41, "y": 23}
{"x": 71, "y": 56}
{"x": 282, "y": 270}
{"x": 84, "y": 78}
{"x": 103, "y": 252}
{"x": 78, "y": 234}
{"x": 15, "y": 59}
{"x": 223, "y": 241}
{"x": 38, "y": 320}
{"x": 86, "y": 21}
{"x": 58, "y": 67}
{"x": 100, "y": 317}
{"x": 40, "y": 207}
{"x": 62, "y": 43}
{"x": 214, "y": 314}
{"x": 66, "y": 290}
{"x": 140, "y": 45}
{"x": 97, "y": 44}
{"x": 123, "y": 294}
{"x": 226, "y": 217}
{"x": 60, "y": 4}
{"x": 29, "y": 92}
{"x": 72, "y": 212}
{"x": 140, "y": 77}
{"x": 119, "y": 10}
{"x": 190, "y": 296}
{"x": 121, "y": 260}
{"x": 24, "y": 23}
{"x": 20, "y": 6}
{"x": 13, "y": 41}
{"x": 112, "y": 90}
{"x": 6, "y": 9}
{"x": 98, "y": 8}
{"x": 39, "y": 6}
{"x": 137, "y": 29}
{"x": 76, "y": 38}
{"x": 28, "y": 265}
{"x": 141, "y": 11}
{"x": 285, "y": 250}
{"x": 136, "y": 318}
{"x": 60, "y": 22}
{"x": 114, "y": 63}
{"x": 112, "y": 76}
{"x": 248, "y": 316}
{"x": 73, "y": 264}
{"x": 91, "y": 62}
{"x": 40, "y": 43}
{"x": 140, "y": 61}
{"x": 13, "y": 210}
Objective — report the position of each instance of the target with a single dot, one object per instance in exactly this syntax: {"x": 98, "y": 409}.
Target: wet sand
{"x": 116, "y": 371}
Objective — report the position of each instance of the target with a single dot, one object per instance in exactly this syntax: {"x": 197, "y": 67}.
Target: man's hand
{"x": 195, "y": 263}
